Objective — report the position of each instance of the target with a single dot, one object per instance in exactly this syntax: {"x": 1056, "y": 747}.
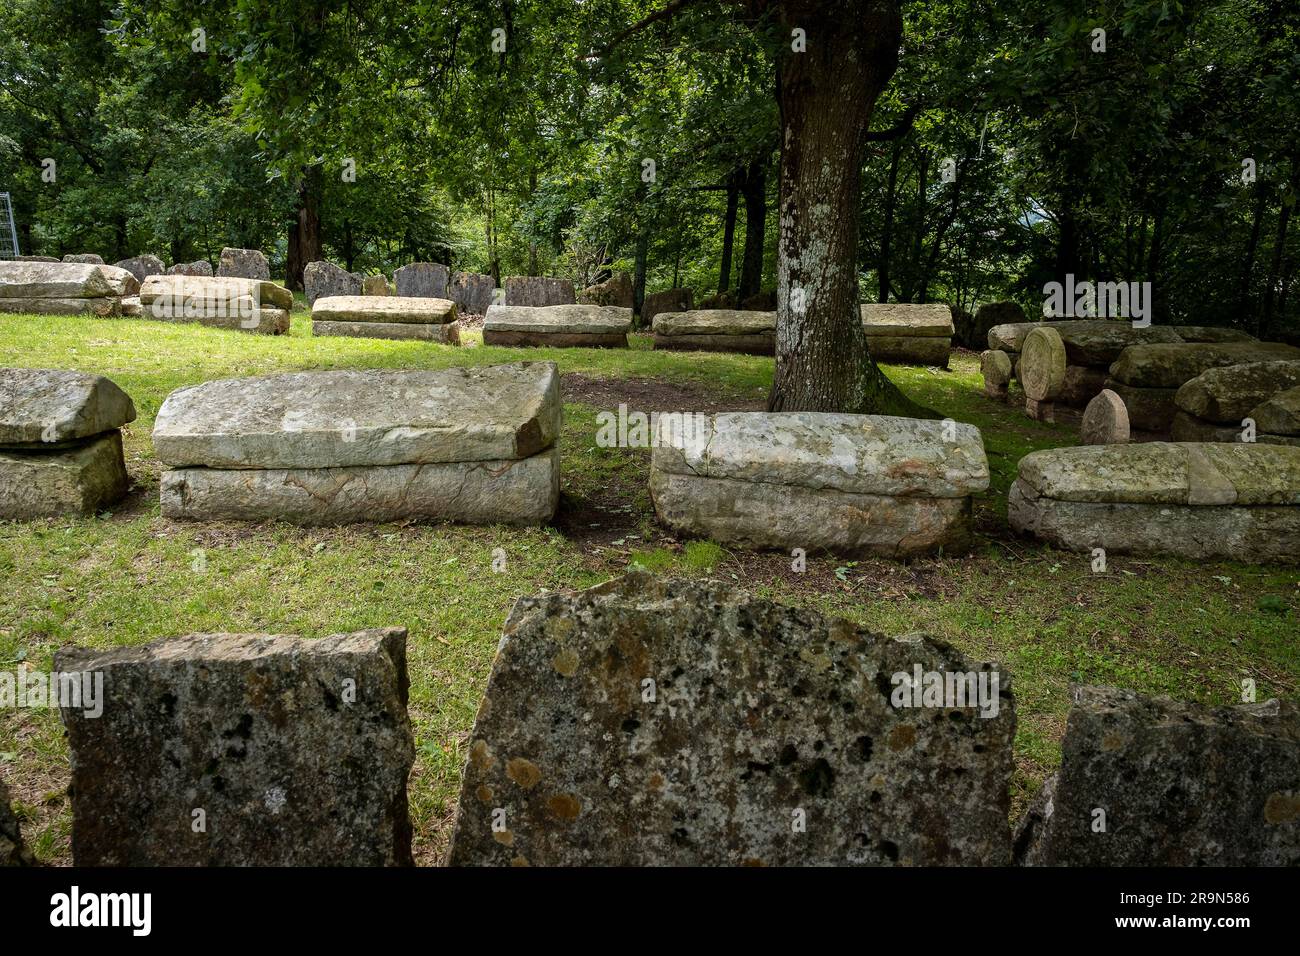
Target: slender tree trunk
{"x": 305, "y": 234}
{"x": 751, "y": 264}
{"x": 728, "y": 234}
{"x": 826, "y": 94}
{"x": 638, "y": 272}
{"x": 1275, "y": 267}
{"x": 887, "y": 231}
{"x": 1248, "y": 261}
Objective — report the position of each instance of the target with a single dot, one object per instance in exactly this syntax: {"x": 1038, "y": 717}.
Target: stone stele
{"x": 294, "y": 752}
{"x": 648, "y": 722}
{"x": 1180, "y": 784}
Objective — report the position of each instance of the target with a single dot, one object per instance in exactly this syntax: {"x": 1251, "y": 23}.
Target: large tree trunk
{"x": 751, "y": 264}
{"x": 305, "y": 244}
{"x": 826, "y": 95}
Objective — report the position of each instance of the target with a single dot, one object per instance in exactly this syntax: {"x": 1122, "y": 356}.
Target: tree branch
{"x": 666, "y": 13}
{"x": 898, "y": 130}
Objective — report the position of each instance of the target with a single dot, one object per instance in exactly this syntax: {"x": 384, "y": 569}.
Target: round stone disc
{"x": 1042, "y": 364}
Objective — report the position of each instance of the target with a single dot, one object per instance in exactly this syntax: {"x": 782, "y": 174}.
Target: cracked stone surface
{"x": 64, "y": 280}
{"x": 202, "y": 293}
{"x": 296, "y": 751}
{"x": 559, "y": 319}
{"x": 80, "y": 477}
{"x": 40, "y": 406}
{"x": 652, "y": 722}
{"x": 1227, "y": 395}
{"x": 383, "y": 308}
{"x": 521, "y": 491}
{"x": 329, "y": 419}
{"x": 1179, "y": 784}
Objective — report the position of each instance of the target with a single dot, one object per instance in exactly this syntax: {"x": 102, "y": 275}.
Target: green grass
{"x": 1178, "y": 628}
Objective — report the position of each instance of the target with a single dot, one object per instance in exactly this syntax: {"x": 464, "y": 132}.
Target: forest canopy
{"x": 1013, "y": 144}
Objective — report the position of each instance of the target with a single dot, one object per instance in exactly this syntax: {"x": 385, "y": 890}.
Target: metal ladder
{"x": 8, "y": 231}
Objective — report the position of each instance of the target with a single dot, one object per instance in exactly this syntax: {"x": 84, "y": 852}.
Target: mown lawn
{"x": 1189, "y": 630}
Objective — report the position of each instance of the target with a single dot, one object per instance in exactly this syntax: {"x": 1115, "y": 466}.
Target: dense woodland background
{"x": 1124, "y": 165}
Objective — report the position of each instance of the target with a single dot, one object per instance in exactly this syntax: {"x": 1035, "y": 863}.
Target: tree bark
{"x": 728, "y": 235}
{"x": 826, "y": 95}
{"x": 751, "y": 263}
{"x": 887, "y": 231}
{"x": 638, "y": 272}
{"x": 305, "y": 244}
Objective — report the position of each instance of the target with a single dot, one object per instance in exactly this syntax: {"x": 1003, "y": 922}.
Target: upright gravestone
{"x": 616, "y": 290}
{"x": 200, "y": 268}
{"x": 680, "y": 723}
{"x": 1156, "y": 782}
{"x": 243, "y": 750}
{"x": 427, "y": 280}
{"x": 673, "y": 300}
{"x": 142, "y": 267}
{"x": 324, "y": 279}
{"x": 472, "y": 292}
{"x": 374, "y": 285}
{"x": 539, "y": 291}
{"x": 243, "y": 264}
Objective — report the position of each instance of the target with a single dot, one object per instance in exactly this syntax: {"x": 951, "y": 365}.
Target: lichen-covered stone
{"x": 538, "y": 291}
{"x": 243, "y": 750}
{"x": 422, "y": 279}
{"x": 12, "y": 851}
{"x": 904, "y": 319}
{"x": 375, "y": 285}
{"x": 200, "y": 268}
{"x": 1226, "y": 395}
{"x": 715, "y": 322}
{"x": 995, "y": 365}
{"x": 1042, "y": 364}
{"x": 64, "y": 280}
{"x": 243, "y": 264}
{"x": 759, "y": 343}
{"x": 100, "y": 308}
{"x": 142, "y": 267}
{"x": 1105, "y": 420}
{"x": 448, "y": 334}
{"x": 1149, "y": 409}
{"x": 616, "y": 290}
{"x": 1210, "y": 333}
{"x": 648, "y": 722}
{"x": 1169, "y": 366}
{"x": 1154, "y": 782}
{"x": 342, "y": 418}
{"x": 1279, "y": 415}
{"x": 670, "y": 300}
{"x": 387, "y": 308}
{"x": 41, "y": 406}
{"x": 472, "y": 292}
{"x": 323, "y": 279}
{"x": 85, "y": 257}
{"x": 76, "y": 478}
{"x": 910, "y": 349}
{"x": 514, "y": 491}
{"x": 205, "y": 293}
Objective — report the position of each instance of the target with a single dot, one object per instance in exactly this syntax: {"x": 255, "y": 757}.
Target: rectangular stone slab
{"x": 178, "y": 290}
{"x": 555, "y": 340}
{"x": 44, "y": 405}
{"x": 1182, "y": 785}
{"x": 647, "y": 722}
{"x": 242, "y": 318}
{"x": 296, "y": 751}
{"x": 390, "y": 309}
{"x": 907, "y": 319}
{"x": 760, "y": 344}
{"x": 519, "y": 491}
{"x": 1169, "y": 366}
{"x": 81, "y": 479}
{"x": 861, "y": 454}
{"x": 1249, "y": 533}
{"x": 1211, "y": 333}
{"x": 909, "y": 350}
{"x": 1087, "y": 341}
{"x": 559, "y": 319}
{"x": 102, "y": 308}
{"x": 64, "y": 280}
{"x": 756, "y": 515}
{"x": 714, "y": 322}
{"x": 343, "y": 418}
{"x": 1184, "y": 473}
{"x": 448, "y": 334}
